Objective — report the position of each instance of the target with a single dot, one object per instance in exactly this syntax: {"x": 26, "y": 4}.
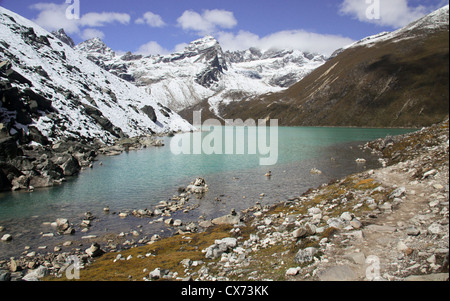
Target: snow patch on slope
{"x": 72, "y": 82}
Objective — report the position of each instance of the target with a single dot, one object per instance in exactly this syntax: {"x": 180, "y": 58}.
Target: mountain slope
{"x": 58, "y": 109}
{"x": 203, "y": 75}
{"x": 391, "y": 79}
{"x": 78, "y": 99}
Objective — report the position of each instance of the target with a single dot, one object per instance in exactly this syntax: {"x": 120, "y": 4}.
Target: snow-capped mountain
{"x": 55, "y": 89}
{"x": 204, "y": 72}
{"x": 420, "y": 28}
{"x": 397, "y": 79}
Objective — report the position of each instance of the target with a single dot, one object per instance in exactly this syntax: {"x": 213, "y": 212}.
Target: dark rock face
{"x": 211, "y": 74}
{"x": 30, "y": 166}
{"x": 71, "y": 166}
{"x": 150, "y": 112}
{"x": 63, "y": 37}
{"x": 105, "y": 123}
{"x": 130, "y": 57}
{"x": 8, "y": 148}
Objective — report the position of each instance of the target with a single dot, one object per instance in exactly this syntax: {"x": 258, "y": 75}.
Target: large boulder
{"x": 305, "y": 255}
{"x": 150, "y": 112}
{"x": 71, "y": 167}
{"x": 94, "y": 250}
{"x": 219, "y": 247}
{"x": 8, "y": 148}
{"x": 36, "y": 274}
{"x": 199, "y": 186}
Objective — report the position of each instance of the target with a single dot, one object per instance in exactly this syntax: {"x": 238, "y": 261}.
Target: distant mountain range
{"x": 88, "y": 92}
{"x": 204, "y": 74}
{"x": 54, "y": 89}
{"x": 397, "y": 79}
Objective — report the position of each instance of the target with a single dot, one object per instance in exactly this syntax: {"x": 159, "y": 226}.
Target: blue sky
{"x": 164, "y": 26}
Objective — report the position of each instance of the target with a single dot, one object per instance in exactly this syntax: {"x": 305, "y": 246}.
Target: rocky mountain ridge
{"x": 203, "y": 72}
{"x": 397, "y": 79}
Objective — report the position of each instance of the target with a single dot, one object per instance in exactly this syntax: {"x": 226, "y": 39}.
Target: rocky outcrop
{"x": 63, "y": 37}
{"x": 198, "y": 187}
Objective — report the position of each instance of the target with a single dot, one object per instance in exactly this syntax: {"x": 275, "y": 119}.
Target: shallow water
{"x": 140, "y": 179}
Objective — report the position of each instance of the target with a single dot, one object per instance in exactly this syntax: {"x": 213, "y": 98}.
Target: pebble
{"x": 412, "y": 231}
{"x": 356, "y": 224}
{"x": 293, "y": 271}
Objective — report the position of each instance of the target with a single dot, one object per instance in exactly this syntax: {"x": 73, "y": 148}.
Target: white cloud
{"x": 151, "y": 19}
{"x": 220, "y": 18}
{"x": 53, "y": 16}
{"x": 208, "y": 22}
{"x": 101, "y": 19}
{"x": 152, "y": 48}
{"x": 180, "y": 47}
{"x": 90, "y": 33}
{"x": 392, "y": 13}
{"x": 289, "y": 39}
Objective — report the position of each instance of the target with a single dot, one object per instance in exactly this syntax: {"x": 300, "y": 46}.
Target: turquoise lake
{"x": 141, "y": 179}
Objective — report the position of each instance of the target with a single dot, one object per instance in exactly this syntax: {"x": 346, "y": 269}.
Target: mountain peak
{"x": 95, "y": 46}
{"x": 63, "y": 37}
{"x": 204, "y": 43}
{"x": 435, "y": 21}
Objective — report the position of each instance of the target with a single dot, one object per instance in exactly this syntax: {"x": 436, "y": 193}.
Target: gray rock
{"x": 386, "y": 206}
{"x": 155, "y": 274}
{"x": 5, "y": 275}
{"x": 412, "y": 231}
{"x": 356, "y": 224}
{"x": 7, "y": 237}
{"x": 305, "y": 255}
{"x": 335, "y": 223}
{"x": 299, "y": 233}
{"x": 71, "y": 167}
{"x": 397, "y": 193}
{"x": 346, "y": 216}
{"x": 62, "y": 224}
{"x": 378, "y": 228}
{"x": 436, "y": 229}
{"x": 186, "y": 262}
{"x": 292, "y": 271}
{"x": 229, "y": 219}
{"x": 205, "y": 224}
{"x": 338, "y": 273}
{"x": 358, "y": 258}
{"x": 94, "y": 250}
{"x": 219, "y": 247}
{"x": 36, "y": 274}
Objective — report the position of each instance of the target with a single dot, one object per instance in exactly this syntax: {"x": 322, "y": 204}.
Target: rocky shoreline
{"x": 385, "y": 224}
{"x": 40, "y": 164}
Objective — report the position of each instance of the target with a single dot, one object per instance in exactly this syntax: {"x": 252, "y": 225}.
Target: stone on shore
{"x": 36, "y": 274}
{"x": 305, "y": 255}
{"x": 7, "y": 237}
{"x": 230, "y": 219}
{"x": 338, "y": 273}
{"x": 94, "y": 250}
